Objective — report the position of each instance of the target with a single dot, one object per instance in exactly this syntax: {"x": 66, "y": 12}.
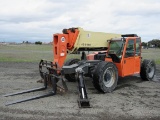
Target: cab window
{"x": 130, "y": 49}
{"x": 138, "y": 47}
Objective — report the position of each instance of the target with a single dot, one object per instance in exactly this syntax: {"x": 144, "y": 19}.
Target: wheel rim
{"x": 109, "y": 77}
{"x": 151, "y": 70}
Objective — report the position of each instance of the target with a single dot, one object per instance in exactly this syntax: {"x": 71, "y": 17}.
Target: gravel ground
{"x": 132, "y": 99}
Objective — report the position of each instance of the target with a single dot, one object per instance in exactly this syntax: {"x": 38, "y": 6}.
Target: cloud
{"x": 34, "y": 20}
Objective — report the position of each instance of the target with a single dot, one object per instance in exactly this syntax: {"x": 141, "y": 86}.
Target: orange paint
{"x": 62, "y": 42}
{"x": 128, "y": 65}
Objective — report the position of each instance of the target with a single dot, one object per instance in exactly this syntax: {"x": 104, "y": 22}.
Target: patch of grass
{"x": 158, "y": 61}
{"x": 151, "y": 54}
{"x": 34, "y": 53}
{"x": 25, "y": 53}
{"x": 29, "y": 47}
{"x": 28, "y": 53}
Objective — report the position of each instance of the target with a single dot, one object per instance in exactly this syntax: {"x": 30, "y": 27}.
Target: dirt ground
{"x": 132, "y": 99}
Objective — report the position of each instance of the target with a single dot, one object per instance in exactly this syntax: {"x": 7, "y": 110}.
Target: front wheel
{"x": 148, "y": 69}
{"x": 105, "y": 77}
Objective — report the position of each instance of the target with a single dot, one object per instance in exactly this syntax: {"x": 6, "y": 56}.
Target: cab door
{"x": 137, "y": 56}
{"x": 128, "y": 62}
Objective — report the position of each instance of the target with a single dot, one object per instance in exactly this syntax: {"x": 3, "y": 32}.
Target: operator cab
{"x": 125, "y": 52}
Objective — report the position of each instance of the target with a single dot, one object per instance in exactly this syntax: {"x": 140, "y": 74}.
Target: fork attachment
{"x": 50, "y": 75}
{"x": 53, "y": 92}
{"x": 30, "y": 90}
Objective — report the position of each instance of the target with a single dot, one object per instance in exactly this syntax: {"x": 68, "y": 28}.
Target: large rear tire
{"x": 71, "y": 77}
{"x": 105, "y": 77}
{"x": 148, "y": 69}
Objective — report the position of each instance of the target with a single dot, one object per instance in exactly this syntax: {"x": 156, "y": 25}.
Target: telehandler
{"x": 117, "y": 56}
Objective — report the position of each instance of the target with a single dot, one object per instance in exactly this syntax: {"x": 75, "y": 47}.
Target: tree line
{"x": 37, "y": 42}
{"x": 154, "y": 42}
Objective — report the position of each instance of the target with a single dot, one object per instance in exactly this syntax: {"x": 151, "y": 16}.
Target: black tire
{"x": 105, "y": 77}
{"x": 148, "y": 69}
{"x": 71, "y": 77}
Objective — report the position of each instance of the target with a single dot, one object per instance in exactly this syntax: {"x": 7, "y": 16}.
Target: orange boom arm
{"x": 62, "y": 43}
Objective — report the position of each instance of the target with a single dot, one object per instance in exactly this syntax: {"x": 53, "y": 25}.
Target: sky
{"x": 38, "y": 20}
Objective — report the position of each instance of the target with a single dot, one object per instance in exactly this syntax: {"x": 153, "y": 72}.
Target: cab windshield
{"x": 116, "y": 47}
